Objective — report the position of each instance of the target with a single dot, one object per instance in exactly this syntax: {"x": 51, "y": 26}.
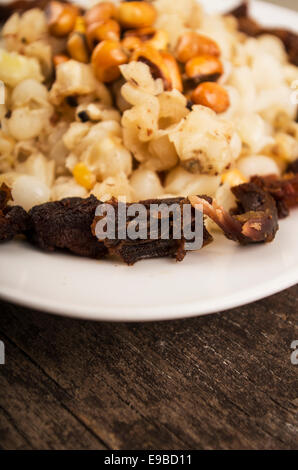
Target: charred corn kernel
{"x": 61, "y": 18}
{"x": 106, "y": 58}
{"x": 173, "y": 71}
{"x": 155, "y": 61}
{"x": 83, "y": 176}
{"x": 80, "y": 25}
{"x": 136, "y": 14}
{"x": 192, "y": 44}
{"x": 77, "y": 47}
{"x": 233, "y": 177}
{"x": 131, "y": 43}
{"x": 100, "y": 31}
{"x": 155, "y": 38}
{"x": 100, "y": 12}
{"x": 212, "y": 95}
{"x": 204, "y": 67}
{"x": 60, "y": 59}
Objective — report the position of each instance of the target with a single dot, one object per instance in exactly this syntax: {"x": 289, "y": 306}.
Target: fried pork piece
{"x": 131, "y": 251}
{"x": 13, "y": 219}
{"x": 283, "y": 190}
{"x": 255, "y": 219}
{"x": 252, "y": 28}
{"x": 66, "y": 225}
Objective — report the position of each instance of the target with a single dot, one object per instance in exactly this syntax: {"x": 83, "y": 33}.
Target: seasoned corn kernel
{"x": 192, "y": 44}
{"x": 204, "y": 67}
{"x": 212, "y": 95}
{"x": 233, "y": 177}
{"x": 100, "y": 31}
{"x": 131, "y": 43}
{"x": 159, "y": 39}
{"x": 155, "y": 61}
{"x": 173, "y": 71}
{"x": 61, "y": 18}
{"x": 106, "y": 58}
{"x": 77, "y": 47}
{"x": 100, "y": 12}
{"x": 136, "y": 14}
{"x": 83, "y": 176}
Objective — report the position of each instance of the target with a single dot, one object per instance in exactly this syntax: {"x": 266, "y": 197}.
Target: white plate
{"x": 219, "y": 277}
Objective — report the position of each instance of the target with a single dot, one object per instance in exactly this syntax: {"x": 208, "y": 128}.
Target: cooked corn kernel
{"x": 100, "y": 31}
{"x": 192, "y": 44}
{"x": 77, "y": 47}
{"x": 155, "y": 61}
{"x": 233, "y": 177}
{"x": 83, "y": 176}
{"x": 80, "y": 25}
{"x": 131, "y": 43}
{"x": 154, "y": 38}
{"x": 212, "y": 95}
{"x": 100, "y": 12}
{"x": 61, "y": 18}
{"x": 173, "y": 71}
{"x": 203, "y": 67}
{"x": 136, "y": 14}
{"x": 106, "y": 58}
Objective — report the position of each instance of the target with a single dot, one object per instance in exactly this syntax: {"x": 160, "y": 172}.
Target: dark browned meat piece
{"x": 66, "y": 225}
{"x": 252, "y": 28}
{"x": 13, "y": 219}
{"x": 283, "y": 190}
{"x": 255, "y": 219}
{"x": 131, "y": 251}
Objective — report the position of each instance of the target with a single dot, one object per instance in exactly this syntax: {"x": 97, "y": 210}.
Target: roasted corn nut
{"x": 204, "y": 68}
{"x": 131, "y": 43}
{"x": 77, "y": 47}
{"x": 136, "y": 14}
{"x": 106, "y": 58}
{"x": 101, "y": 31}
{"x": 100, "y": 13}
{"x": 153, "y": 58}
{"x": 192, "y": 44}
{"x": 157, "y": 38}
{"x": 212, "y": 95}
{"x": 61, "y": 18}
{"x": 174, "y": 75}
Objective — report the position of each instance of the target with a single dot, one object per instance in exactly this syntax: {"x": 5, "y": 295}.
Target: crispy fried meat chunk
{"x": 66, "y": 225}
{"x": 131, "y": 251}
{"x": 13, "y": 219}
{"x": 252, "y": 28}
{"x": 283, "y": 190}
{"x": 255, "y": 219}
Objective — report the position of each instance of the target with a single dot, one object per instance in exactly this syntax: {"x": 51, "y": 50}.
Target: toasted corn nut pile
{"x": 110, "y": 35}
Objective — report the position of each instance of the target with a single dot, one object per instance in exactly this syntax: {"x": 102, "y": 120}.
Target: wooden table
{"x": 223, "y": 381}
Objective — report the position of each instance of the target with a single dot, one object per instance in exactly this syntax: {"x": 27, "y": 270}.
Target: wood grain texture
{"x": 223, "y": 381}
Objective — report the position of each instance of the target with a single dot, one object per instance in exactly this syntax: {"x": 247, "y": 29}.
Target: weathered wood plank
{"x": 222, "y": 381}
{"x": 31, "y": 410}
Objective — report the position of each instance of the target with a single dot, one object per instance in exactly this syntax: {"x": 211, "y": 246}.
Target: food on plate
{"x": 137, "y": 101}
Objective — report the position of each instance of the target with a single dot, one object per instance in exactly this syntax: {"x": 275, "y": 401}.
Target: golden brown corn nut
{"x": 106, "y": 58}
{"x": 212, "y": 95}
{"x": 77, "y": 47}
{"x": 100, "y": 12}
{"x": 174, "y": 75}
{"x": 203, "y": 67}
{"x": 192, "y": 44}
{"x": 101, "y": 31}
{"x": 60, "y": 59}
{"x": 136, "y": 14}
{"x": 153, "y": 58}
{"x": 131, "y": 43}
{"x": 155, "y": 38}
{"x": 61, "y": 18}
